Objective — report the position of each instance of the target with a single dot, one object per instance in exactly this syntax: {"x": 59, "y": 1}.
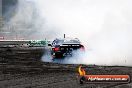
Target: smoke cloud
{"x": 103, "y": 26}
{"x": 25, "y": 22}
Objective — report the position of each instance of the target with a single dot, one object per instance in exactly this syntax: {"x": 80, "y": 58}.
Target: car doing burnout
{"x": 61, "y": 48}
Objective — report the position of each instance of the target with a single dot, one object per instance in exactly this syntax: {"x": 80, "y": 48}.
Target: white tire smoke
{"x": 104, "y": 27}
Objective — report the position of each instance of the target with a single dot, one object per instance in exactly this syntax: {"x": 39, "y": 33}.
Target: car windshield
{"x": 67, "y": 40}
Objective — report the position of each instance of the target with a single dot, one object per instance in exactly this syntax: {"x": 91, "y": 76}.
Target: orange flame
{"x": 81, "y": 71}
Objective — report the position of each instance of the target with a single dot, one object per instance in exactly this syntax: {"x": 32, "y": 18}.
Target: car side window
{"x": 53, "y": 43}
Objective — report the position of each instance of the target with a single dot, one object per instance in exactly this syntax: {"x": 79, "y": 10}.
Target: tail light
{"x": 56, "y": 49}
{"x": 82, "y": 48}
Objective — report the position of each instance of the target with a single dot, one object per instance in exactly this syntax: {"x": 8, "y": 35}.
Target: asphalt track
{"x": 23, "y": 68}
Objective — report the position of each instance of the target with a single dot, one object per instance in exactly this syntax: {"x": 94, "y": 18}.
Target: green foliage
{"x": 38, "y": 42}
